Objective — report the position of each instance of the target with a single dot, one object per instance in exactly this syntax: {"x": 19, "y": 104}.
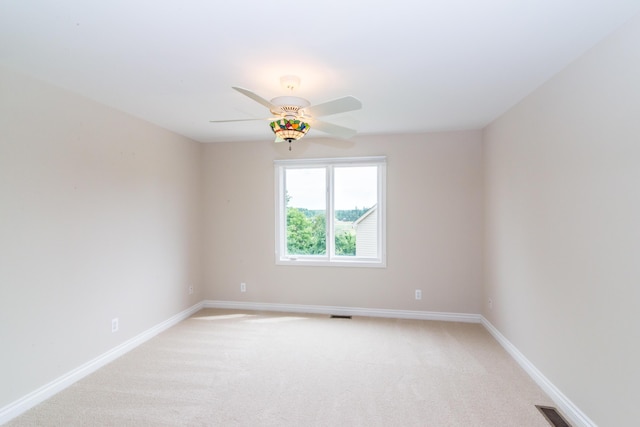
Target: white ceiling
{"x": 417, "y": 66}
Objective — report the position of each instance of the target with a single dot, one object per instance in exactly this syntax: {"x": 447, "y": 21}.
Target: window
{"x": 331, "y": 211}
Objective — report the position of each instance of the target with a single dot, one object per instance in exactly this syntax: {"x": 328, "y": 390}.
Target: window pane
{"x": 355, "y": 209}
{"x": 306, "y": 205}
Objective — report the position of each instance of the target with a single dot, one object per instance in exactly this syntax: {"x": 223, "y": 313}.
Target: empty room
{"x": 334, "y": 213}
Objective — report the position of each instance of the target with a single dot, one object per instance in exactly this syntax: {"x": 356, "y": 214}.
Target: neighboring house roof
{"x": 366, "y": 214}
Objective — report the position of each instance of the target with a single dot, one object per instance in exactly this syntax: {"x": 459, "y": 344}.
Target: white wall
{"x": 563, "y": 229}
{"x": 434, "y": 225}
{"x": 100, "y": 217}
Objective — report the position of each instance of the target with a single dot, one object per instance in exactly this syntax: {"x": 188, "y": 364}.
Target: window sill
{"x": 332, "y": 263}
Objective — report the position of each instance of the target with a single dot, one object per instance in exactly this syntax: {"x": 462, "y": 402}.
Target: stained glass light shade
{"x": 290, "y": 129}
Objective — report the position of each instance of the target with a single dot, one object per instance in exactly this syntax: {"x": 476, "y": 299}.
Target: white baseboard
{"x": 345, "y": 311}
{"x": 566, "y": 406}
{"x": 27, "y": 402}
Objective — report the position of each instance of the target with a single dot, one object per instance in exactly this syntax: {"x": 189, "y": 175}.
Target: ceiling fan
{"x": 294, "y": 116}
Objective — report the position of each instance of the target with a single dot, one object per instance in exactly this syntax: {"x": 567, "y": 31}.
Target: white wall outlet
{"x": 243, "y": 287}
{"x": 190, "y": 290}
{"x": 114, "y": 325}
{"x": 418, "y": 294}
{"x": 490, "y": 304}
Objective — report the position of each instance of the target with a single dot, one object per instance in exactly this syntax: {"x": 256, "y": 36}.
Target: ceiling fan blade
{"x": 340, "y": 105}
{"x": 333, "y": 129}
{"x": 238, "y": 120}
{"x": 255, "y": 97}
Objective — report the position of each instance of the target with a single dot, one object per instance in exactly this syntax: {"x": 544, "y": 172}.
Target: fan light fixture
{"x": 289, "y": 129}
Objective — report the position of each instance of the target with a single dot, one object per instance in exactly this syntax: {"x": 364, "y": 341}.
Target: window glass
{"x": 306, "y": 203}
{"x": 355, "y": 194}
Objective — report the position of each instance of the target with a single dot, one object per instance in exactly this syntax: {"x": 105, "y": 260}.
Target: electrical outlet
{"x": 243, "y": 287}
{"x": 114, "y": 325}
{"x": 418, "y": 294}
{"x": 190, "y": 290}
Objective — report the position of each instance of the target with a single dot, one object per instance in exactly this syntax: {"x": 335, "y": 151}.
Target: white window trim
{"x": 328, "y": 260}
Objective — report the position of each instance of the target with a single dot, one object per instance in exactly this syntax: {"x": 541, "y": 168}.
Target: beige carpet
{"x": 232, "y": 368}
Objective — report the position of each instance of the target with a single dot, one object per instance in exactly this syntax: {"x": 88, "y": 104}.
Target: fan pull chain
{"x": 289, "y": 145}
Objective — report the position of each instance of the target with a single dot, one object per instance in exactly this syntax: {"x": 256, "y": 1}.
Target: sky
{"x": 356, "y": 186}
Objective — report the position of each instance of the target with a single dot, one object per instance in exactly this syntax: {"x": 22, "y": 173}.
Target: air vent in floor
{"x": 553, "y": 416}
{"x": 336, "y": 316}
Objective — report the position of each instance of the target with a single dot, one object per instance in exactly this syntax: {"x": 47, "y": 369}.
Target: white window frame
{"x": 330, "y": 259}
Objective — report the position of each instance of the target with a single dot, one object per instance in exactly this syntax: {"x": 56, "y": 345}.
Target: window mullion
{"x": 330, "y": 216}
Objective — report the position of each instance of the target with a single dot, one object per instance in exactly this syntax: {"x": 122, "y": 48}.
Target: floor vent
{"x": 336, "y": 316}
{"x": 553, "y": 416}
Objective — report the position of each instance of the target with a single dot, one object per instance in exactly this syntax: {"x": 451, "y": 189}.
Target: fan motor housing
{"x": 289, "y": 104}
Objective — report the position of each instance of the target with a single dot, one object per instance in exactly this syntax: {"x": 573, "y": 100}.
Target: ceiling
{"x": 417, "y": 66}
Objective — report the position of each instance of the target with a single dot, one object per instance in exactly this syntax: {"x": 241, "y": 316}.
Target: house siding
{"x": 367, "y": 236}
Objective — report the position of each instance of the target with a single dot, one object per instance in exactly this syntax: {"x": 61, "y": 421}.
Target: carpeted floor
{"x": 232, "y": 368}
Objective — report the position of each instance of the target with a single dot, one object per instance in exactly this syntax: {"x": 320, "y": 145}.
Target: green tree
{"x": 345, "y": 244}
{"x": 299, "y": 232}
{"x": 308, "y": 236}
{"x": 319, "y": 241}
{"x": 305, "y": 236}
